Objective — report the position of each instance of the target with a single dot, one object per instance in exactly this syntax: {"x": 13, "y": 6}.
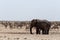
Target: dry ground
{"x": 23, "y": 34}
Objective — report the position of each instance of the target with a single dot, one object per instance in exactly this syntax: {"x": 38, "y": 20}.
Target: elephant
{"x": 43, "y": 25}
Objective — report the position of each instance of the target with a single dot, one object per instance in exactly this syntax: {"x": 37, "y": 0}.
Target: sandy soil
{"x": 28, "y": 37}
{"x": 23, "y": 34}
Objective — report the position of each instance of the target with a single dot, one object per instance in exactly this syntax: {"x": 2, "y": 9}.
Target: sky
{"x": 21, "y": 10}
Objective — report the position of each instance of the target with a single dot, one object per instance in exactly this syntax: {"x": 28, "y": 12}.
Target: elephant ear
{"x": 33, "y": 22}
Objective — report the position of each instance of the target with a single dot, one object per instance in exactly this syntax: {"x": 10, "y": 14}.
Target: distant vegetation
{"x": 20, "y": 24}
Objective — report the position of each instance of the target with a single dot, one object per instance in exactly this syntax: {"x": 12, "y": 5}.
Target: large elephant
{"x": 43, "y": 25}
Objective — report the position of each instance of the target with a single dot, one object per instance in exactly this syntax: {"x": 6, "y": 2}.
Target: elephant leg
{"x": 37, "y": 30}
{"x": 43, "y": 32}
{"x": 31, "y": 30}
{"x": 47, "y": 31}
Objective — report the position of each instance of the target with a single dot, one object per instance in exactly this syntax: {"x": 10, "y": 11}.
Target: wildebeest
{"x": 43, "y": 25}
